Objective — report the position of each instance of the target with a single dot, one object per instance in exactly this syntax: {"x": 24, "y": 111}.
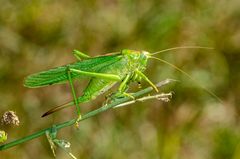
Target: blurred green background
{"x": 38, "y": 35}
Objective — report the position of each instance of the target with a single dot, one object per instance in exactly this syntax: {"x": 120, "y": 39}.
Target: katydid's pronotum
{"x": 104, "y": 71}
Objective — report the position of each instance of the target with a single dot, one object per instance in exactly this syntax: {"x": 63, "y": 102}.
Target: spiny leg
{"x": 146, "y": 79}
{"x": 124, "y": 83}
{"x": 123, "y": 87}
{"x": 74, "y": 94}
{"x": 79, "y": 55}
{"x": 121, "y": 91}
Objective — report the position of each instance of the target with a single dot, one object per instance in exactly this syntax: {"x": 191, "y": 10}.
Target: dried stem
{"x": 165, "y": 97}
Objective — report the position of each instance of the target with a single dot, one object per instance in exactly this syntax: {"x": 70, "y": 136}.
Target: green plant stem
{"x": 84, "y": 117}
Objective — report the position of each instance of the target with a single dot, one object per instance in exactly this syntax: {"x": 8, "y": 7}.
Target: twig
{"x": 165, "y": 97}
{"x": 84, "y": 117}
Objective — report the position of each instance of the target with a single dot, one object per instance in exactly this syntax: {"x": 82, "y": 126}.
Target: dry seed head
{"x": 10, "y": 118}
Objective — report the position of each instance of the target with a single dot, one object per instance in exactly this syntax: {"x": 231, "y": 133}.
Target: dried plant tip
{"x": 3, "y": 136}
{"x": 63, "y": 143}
{"x": 10, "y": 118}
{"x": 163, "y": 99}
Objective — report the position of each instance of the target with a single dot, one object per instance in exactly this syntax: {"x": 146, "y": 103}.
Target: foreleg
{"x": 146, "y": 79}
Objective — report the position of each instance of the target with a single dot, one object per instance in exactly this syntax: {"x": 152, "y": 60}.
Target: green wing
{"x": 58, "y": 75}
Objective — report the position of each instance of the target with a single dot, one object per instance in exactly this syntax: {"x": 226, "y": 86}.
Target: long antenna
{"x": 186, "y": 74}
{"x": 182, "y": 47}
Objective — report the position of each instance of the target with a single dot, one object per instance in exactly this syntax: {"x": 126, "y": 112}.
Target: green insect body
{"x": 104, "y": 71}
{"x": 126, "y": 65}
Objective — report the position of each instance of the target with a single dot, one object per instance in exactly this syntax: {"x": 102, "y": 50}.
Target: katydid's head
{"x": 137, "y": 59}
